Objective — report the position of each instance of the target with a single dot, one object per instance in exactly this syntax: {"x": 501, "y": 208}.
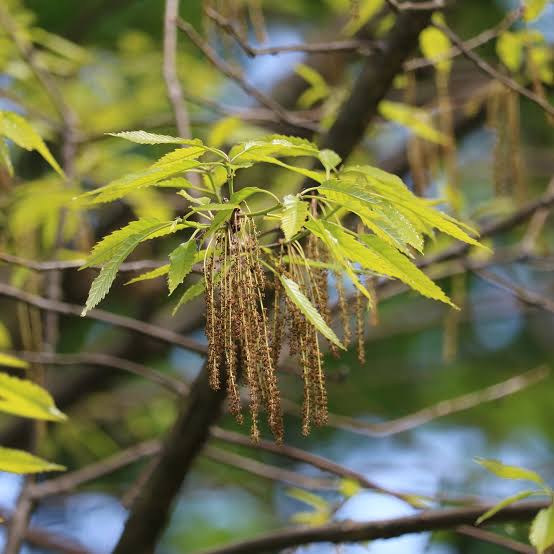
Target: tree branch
{"x": 348, "y": 531}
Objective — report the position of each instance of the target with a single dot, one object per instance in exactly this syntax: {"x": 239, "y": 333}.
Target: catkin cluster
{"x": 245, "y": 341}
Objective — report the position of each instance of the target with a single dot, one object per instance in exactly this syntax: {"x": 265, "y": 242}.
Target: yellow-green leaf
{"x": 152, "y": 274}
{"x": 181, "y": 261}
{"x": 415, "y": 119}
{"x": 307, "y": 308}
{"x": 19, "y": 130}
{"x": 17, "y": 461}
{"x": 144, "y": 137}
{"x": 502, "y": 504}
{"x": 349, "y": 487}
{"x": 435, "y": 46}
{"x": 25, "y": 398}
{"x": 541, "y": 535}
{"x": 533, "y": 9}
{"x": 510, "y": 472}
{"x": 192, "y": 292}
{"x": 509, "y": 48}
{"x": 293, "y": 216}
{"x": 12, "y": 361}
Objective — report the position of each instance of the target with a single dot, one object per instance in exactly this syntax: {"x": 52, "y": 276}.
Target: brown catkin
{"x": 360, "y": 327}
{"x": 343, "y": 310}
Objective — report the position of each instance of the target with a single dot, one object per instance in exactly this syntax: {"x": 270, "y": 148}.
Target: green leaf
{"x": 273, "y": 145}
{"x": 349, "y": 487}
{"x": 18, "y": 130}
{"x": 136, "y": 181}
{"x": 318, "y": 89}
{"x": 307, "y": 308}
{"x": 5, "y": 337}
{"x": 415, "y": 119}
{"x": 215, "y": 207}
{"x": 436, "y": 46}
{"x": 112, "y": 251}
{"x": 12, "y": 361}
{"x": 182, "y": 259}
{"x": 533, "y": 9}
{"x": 17, "y": 461}
{"x": 157, "y": 272}
{"x": 293, "y": 216}
{"x": 144, "y": 137}
{"x": 223, "y": 129}
{"x": 541, "y": 535}
{"x": 189, "y": 153}
{"x": 316, "y": 176}
{"x": 330, "y": 160}
{"x": 502, "y": 504}
{"x": 192, "y": 292}
{"x": 509, "y": 48}
{"x": 510, "y": 472}
{"x": 24, "y": 398}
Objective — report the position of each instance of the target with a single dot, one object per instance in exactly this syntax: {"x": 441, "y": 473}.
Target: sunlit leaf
{"x": 533, "y": 9}
{"x": 181, "y": 261}
{"x": 541, "y": 535}
{"x": 11, "y": 361}
{"x": 294, "y": 293}
{"x": 502, "y": 504}
{"x": 293, "y": 216}
{"x": 509, "y": 48}
{"x": 24, "y": 398}
{"x": 157, "y": 272}
{"x": 510, "y": 472}
{"x": 17, "y": 461}
{"x": 192, "y": 292}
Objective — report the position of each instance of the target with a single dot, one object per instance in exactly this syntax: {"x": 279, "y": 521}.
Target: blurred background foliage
{"x": 106, "y": 58}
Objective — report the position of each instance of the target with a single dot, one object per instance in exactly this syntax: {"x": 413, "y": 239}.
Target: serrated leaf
{"x": 136, "y": 181}
{"x": 24, "y": 398}
{"x": 316, "y": 176}
{"x": 192, "y": 292}
{"x": 533, "y": 9}
{"x": 181, "y": 262}
{"x": 541, "y": 535}
{"x": 189, "y": 153}
{"x": 215, "y": 207}
{"x": 112, "y": 251}
{"x": 510, "y": 472}
{"x": 152, "y": 274}
{"x": 509, "y": 48}
{"x": 144, "y": 137}
{"x": 17, "y": 461}
{"x": 415, "y": 119}
{"x": 293, "y": 216}
{"x": 307, "y": 308}
{"x": 11, "y": 361}
{"x": 273, "y": 145}
{"x": 502, "y": 504}
{"x": 19, "y": 130}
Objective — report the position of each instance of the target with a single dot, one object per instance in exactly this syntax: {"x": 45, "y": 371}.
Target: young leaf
{"x": 113, "y": 250}
{"x": 510, "y": 472}
{"x": 25, "y": 398}
{"x": 144, "y": 137}
{"x": 5, "y": 159}
{"x": 541, "y": 535}
{"x": 17, "y": 461}
{"x": 273, "y": 145}
{"x": 502, "y": 504}
{"x": 330, "y": 160}
{"x": 349, "y": 487}
{"x": 435, "y": 46}
{"x": 293, "y": 216}
{"x": 509, "y": 48}
{"x": 415, "y": 119}
{"x": 182, "y": 259}
{"x": 533, "y": 9}
{"x": 192, "y": 292}
{"x": 157, "y": 272}
{"x": 18, "y": 130}
{"x": 307, "y": 308}
{"x": 12, "y": 361}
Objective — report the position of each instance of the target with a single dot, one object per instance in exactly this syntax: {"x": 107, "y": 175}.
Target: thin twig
{"x": 364, "y": 47}
{"x": 416, "y": 6}
{"x": 494, "y": 538}
{"x": 471, "y": 44}
{"x": 172, "y": 384}
{"x": 230, "y": 72}
{"x": 521, "y": 293}
{"x": 147, "y": 329}
{"x": 492, "y": 72}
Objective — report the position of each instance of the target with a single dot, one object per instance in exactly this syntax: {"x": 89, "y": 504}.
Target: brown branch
{"x": 470, "y": 44}
{"x": 521, "y": 293}
{"x": 47, "y": 540}
{"x": 364, "y": 47}
{"x": 494, "y": 73}
{"x": 416, "y": 6}
{"x": 147, "y": 329}
{"x": 494, "y": 538}
{"x": 348, "y": 531}
{"x": 443, "y": 408}
{"x": 172, "y": 384}
{"x": 281, "y": 114}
